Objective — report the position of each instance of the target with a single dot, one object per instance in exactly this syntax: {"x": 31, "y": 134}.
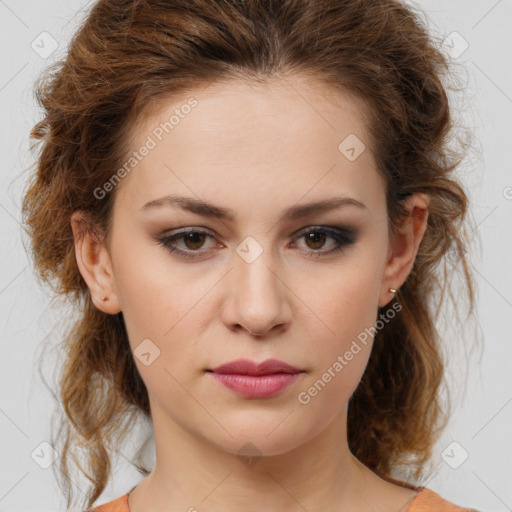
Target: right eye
{"x": 193, "y": 238}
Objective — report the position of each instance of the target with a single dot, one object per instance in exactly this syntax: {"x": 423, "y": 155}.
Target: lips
{"x": 246, "y": 367}
{"x": 253, "y": 380}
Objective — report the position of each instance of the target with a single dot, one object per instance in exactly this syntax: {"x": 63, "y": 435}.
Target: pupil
{"x": 313, "y": 237}
{"x": 190, "y": 237}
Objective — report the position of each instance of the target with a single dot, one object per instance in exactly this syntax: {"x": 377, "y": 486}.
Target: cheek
{"x": 346, "y": 302}
{"x": 153, "y": 293}
{"x": 344, "y": 297}
{"x": 165, "y": 305}
{"x": 145, "y": 298}
{"x": 341, "y": 358}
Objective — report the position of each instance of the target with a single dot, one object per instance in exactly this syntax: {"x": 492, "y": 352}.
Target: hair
{"x": 129, "y": 54}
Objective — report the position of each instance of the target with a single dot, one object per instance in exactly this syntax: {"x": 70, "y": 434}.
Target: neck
{"x": 191, "y": 474}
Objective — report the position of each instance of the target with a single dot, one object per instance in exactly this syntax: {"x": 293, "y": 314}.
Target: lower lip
{"x": 253, "y": 386}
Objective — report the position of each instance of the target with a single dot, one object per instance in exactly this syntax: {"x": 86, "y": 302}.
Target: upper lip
{"x": 247, "y": 367}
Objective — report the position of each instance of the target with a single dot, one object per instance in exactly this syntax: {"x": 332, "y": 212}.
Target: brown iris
{"x": 192, "y": 239}
{"x": 316, "y": 237}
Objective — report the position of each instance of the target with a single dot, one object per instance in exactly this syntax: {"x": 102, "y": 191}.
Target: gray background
{"x": 481, "y": 425}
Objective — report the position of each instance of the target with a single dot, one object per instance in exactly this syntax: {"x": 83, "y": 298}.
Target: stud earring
{"x": 104, "y": 298}
{"x": 392, "y": 290}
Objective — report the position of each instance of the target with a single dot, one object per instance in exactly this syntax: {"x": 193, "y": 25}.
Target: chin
{"x": 257, "y": 437}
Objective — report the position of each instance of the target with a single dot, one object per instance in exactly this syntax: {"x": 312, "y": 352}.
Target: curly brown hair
{"x": 127, "y": 55}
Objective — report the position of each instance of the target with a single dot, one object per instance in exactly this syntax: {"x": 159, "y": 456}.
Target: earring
{"x": 104, "y": 298}
{"x": 392, "y": 290}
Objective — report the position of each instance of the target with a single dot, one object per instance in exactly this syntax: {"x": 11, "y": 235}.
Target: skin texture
{"x": 258, "y": 150}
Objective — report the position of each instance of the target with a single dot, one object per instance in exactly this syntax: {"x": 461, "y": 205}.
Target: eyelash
{"x": 343, "y": 238}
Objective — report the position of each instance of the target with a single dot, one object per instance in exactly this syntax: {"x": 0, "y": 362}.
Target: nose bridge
{"x": 256, "y": 295}
{"x": 256, "y": 274}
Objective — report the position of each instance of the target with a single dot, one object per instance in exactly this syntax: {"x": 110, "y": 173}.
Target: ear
{"x": 94, "y": 263}
{"x": 404, "y": 246}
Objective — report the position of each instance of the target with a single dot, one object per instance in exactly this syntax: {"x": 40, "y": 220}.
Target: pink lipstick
{"x": 253, "y": 380}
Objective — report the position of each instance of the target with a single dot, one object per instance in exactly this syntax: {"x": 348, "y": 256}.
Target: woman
{"x": 251, "y": 203}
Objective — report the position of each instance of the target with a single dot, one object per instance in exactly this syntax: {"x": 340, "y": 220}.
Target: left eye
{"x": 317, "y": 236}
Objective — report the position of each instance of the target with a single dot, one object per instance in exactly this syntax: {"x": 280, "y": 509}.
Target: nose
{"x": 256, "y": 299}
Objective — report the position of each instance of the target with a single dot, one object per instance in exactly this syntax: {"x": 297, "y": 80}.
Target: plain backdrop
{"x": 473, "y": 458}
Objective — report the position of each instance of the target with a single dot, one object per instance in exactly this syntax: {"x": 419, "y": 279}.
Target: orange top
{"x": 426, "y": 500}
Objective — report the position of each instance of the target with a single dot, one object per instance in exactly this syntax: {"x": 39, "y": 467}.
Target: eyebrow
{"x": 209, "y": 210}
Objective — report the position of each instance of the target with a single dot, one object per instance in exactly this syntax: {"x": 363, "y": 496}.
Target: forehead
{"x": 284, "y": 105}
{"x": 289, "y": 135}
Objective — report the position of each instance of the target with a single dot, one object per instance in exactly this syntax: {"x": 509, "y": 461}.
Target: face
{"x": 254, "y": 275}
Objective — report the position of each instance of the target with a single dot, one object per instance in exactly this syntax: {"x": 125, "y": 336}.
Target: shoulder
{"x": 429, "y": 501}
{"x": 118, "y": 505}
{"x": 426, "y": 500}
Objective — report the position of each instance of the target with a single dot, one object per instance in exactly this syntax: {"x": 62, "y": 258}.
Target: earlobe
{"x": 94, "y": 264}
{"x": 404, "y": 246}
